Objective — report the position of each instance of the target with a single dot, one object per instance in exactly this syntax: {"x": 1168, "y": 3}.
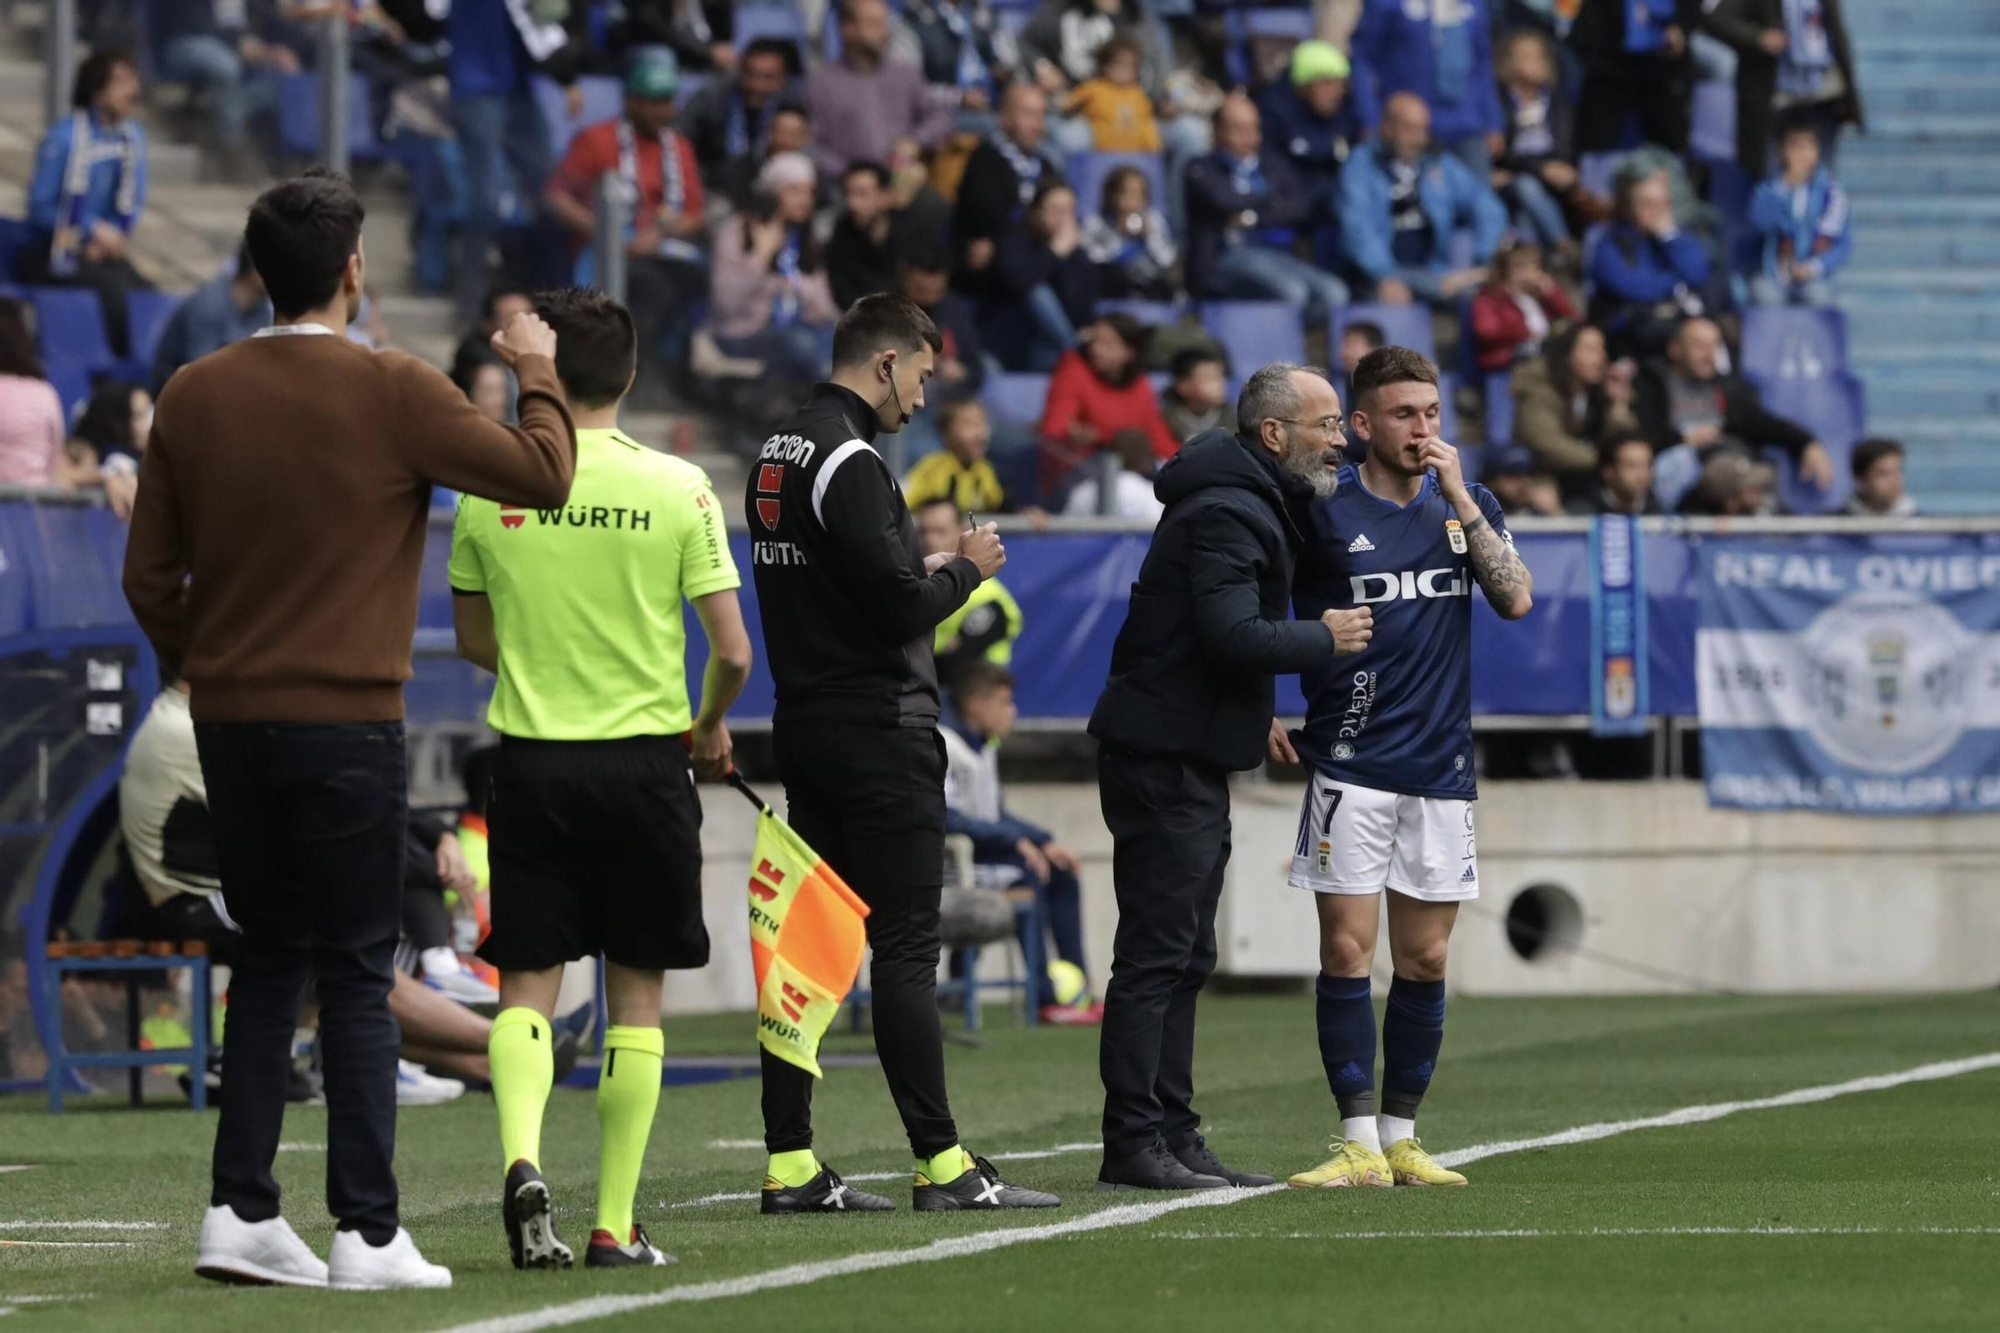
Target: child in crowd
{"x": 1516, "y": 309}
{"x": 1537, "y": 171}
{"x": 1117, "y": 107}
{"x": 1199, "y": 398}
{"x": 1008, "y": 851}
{"x": 960, "y": 472}
{"x": 1802, "y": 216}
{"x": 1129, "y": 240}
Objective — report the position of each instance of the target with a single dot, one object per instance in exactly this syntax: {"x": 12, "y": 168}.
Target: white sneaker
{"x": 463, "y": 987}
{"x": 416, "y": 1087}
{"x": 355, "y": 1265}
{"x": 268, "y": 1252}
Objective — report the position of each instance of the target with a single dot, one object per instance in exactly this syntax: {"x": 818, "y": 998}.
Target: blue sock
{"x": 1347, "y": 1043}
{"x": 1412, "y": 1033}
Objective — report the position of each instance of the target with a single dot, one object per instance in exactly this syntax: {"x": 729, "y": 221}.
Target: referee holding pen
{"x": 274, "y": 560}
{"x": 849, "y": 605}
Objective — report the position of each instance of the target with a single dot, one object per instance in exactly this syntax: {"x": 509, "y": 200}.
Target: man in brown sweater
{"x": 273, "y": 561}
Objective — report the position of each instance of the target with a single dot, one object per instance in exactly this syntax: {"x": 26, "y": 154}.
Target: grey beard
{"x": 1313, "y": 471}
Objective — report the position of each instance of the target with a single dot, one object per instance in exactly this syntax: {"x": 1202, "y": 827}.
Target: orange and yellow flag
{"x": 806, "y": 940}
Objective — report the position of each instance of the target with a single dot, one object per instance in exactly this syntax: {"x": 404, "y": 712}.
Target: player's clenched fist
{"x": 1351, "y": 630}
{"x": 527, "y": 334}
{"x": 982, "y": 547}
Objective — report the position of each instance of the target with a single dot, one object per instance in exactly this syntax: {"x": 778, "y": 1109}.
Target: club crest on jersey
{"x": 512, "y": 517}
{"x": 1325, "y": 858}
{"x": 1454, "y": 532}
{"x": 1343, "y": 751}
{"x": 770, "y": 483}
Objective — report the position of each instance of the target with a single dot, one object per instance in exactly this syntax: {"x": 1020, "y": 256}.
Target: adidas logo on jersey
{"x": 1360, "y": 544}
{"x": 1469, "y": 877}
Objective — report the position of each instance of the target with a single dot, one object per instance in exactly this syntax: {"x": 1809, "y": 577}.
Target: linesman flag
{"x": 806, "y": 939}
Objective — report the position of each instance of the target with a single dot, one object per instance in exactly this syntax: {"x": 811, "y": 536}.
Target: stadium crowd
{"x": 1086, "y": 195}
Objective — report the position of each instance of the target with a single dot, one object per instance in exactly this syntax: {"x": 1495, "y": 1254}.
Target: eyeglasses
{"x": 1325, "y": 425}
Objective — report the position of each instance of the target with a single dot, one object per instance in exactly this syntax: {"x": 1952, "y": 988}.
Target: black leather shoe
{"x": 1153, "y": 1168}
{"x": 1196, "y": 1157}
{"x": 977, "y": 1189}
{"x": 824, "y": 1193}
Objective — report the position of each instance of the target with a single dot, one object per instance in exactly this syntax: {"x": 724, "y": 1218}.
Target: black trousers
{"x": 1169, "y": 822}
{"x": 1655, "y": 90}
{"x": 112, "y": 279}
{"x": 309, "y": 822}
{"x": 870, "y": 800}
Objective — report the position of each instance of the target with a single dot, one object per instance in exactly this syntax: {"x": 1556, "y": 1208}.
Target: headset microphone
{"x": 889, "y": 372}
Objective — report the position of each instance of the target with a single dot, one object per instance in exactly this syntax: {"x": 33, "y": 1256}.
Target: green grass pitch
{"x": 1873, "y": 1211}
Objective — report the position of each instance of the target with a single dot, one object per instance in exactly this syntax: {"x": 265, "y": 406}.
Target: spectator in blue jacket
{"x": 1400, "y": 201}
{"x": 1802, "y": 215}
{"x": 227, "y": 308}
{"x": 962, "y": 46}
{"x": 1443, "y": 53}
{"x": 1649, "y": 274}
{"x": 1247, "y": 210}
{"x": 88, "y": 191}
{"x": 1311, "y": 119}
{"x": 496, "y": 46}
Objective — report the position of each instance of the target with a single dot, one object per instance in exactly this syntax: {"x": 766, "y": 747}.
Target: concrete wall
{"x": 1669, "y": 894}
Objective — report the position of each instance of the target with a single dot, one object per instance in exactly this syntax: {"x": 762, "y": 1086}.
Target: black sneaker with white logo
{"x": 1196, "y": 1157}
{"x": 978, "y": 1188}
{"x": 532, "y": 1241}
{"x": 638, "y": 1252}
{"x": 824, "y": 1193}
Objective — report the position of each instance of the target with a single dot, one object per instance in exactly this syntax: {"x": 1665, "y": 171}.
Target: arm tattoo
{"x": 1495, "y": 563}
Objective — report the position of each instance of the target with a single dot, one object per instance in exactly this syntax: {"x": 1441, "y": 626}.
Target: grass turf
{"x": 1853, "y": 1202}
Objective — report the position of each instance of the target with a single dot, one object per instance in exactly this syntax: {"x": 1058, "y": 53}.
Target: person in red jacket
{"x": 1098, "y": 391}
{"x": 1515, "y": 311}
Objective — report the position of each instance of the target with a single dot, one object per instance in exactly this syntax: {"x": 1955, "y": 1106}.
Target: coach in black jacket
{"x": 1190, "y": 699}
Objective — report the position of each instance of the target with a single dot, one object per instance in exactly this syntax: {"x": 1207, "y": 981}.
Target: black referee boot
{"x": 532, "y": 1241}
{"x": 824, "y": 1193}
{"x": 1196, "y": 1157}
{"x": 978, "y": 1187}
{"x": 1153, "y": 1168}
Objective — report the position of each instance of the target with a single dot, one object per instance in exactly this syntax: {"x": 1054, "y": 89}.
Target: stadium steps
{"x": 1922, "y": 293}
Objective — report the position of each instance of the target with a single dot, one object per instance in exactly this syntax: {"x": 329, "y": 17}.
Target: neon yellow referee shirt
{"x": 587, "y": 598}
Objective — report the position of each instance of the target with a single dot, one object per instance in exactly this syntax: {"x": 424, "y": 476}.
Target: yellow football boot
{"x": 1413, "y": 1166}
{"x": 1352, "y": 1163}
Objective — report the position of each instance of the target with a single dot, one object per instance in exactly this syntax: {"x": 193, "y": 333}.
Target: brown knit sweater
{"x": 278, "y": 535}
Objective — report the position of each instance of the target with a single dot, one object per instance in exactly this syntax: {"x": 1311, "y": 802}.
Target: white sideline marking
{"x": 1125, "y": 1215}
{"x": 301, "y": 1145}
{"x": 65, "y": 1244}
{"x": 1592, "y": 1232}
{"x": 5, "y": 1169}
{"x": 742, "y": 1196}
{"x": 91, "y": 1224}
{"x": 1695, "y": 1115}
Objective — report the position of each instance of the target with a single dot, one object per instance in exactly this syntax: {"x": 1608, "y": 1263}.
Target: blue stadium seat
{"x": 147, "y": 314}
{"x": 603, "y": 99}
{"x": 1296, "y": 24}
{"x": 1403, "y": 325}
{"x": 71, "y": 324}
{"x": 1713, "y": 135}
{"x": 71, "y": 383}
{"x": 782, "y": 21}
{"x": 1087, "y": 172}
{"x": 1594, "y": 171}
{"x": 298, "y": 118}
{"x": 1150, "y": 313}
{"x": 1500, "y": 407}
{"x": 13, "y": 238}
{"x": 1255, "y": 333}
{"x": 1793, "y": 343}
{"x": 1015, "y": 398}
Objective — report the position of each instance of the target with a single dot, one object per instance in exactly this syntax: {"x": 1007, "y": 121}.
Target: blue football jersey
{"x": 1396, "y": 716}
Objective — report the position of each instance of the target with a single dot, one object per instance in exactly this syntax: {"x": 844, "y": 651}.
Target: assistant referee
{"x": 595, "y": 826}
{"x": 849, "y": 604}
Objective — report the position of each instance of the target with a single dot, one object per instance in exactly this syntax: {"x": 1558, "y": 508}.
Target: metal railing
{"x": 59, "y": 53}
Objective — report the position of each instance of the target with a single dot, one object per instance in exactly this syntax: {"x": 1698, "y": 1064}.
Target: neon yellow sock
{"x": 524, "y": 1069}
{"x": 628, "y": 1093}
{"x": 793, "y": 1169}
{"x": 947, "y": 1166}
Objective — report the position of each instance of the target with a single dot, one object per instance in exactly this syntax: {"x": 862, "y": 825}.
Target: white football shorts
{"x": 1356, "y": 840}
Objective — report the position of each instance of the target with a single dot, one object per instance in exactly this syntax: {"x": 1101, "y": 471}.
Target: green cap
{"x": 654, "y": 76}
{"x": 1317, "y": 60}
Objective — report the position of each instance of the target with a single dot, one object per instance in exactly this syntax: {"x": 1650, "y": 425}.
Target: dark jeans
{"x": 504, "y": 142}
{"x": 1169, "y": 822}
{"x": 309, "y": 825}
{"x": 112, "y": 279}
{"x": 870, "y": 800}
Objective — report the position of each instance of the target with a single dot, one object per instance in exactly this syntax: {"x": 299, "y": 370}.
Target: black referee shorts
{"x": 595, "y": 848}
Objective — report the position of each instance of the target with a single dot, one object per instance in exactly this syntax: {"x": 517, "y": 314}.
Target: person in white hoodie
{"x": 1005, "y": 850}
